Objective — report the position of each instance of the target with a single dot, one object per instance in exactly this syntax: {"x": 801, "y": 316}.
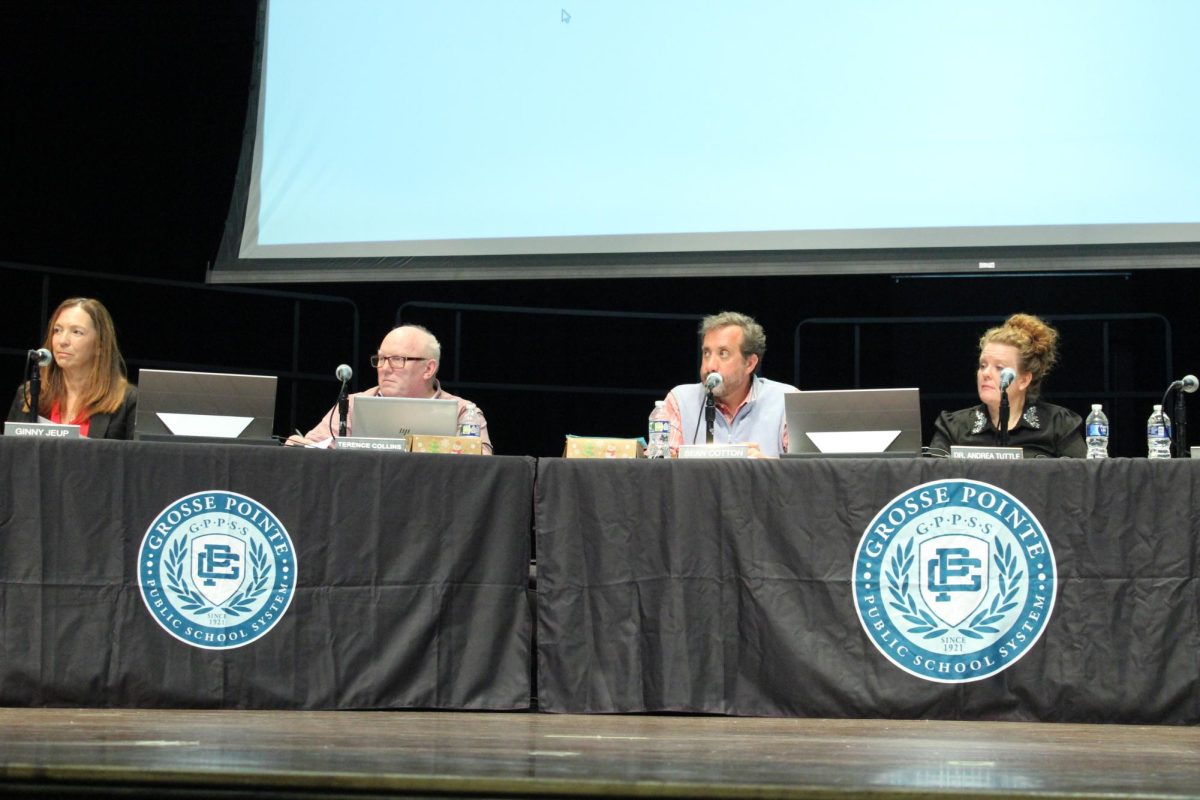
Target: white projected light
{"x": 389, "y": 129}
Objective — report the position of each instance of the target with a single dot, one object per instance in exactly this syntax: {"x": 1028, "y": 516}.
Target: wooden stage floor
{"x": 134, "y": 753}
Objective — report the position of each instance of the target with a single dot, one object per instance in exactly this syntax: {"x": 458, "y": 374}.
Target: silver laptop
{"x": 397, "y": 417}
{"x": 204, "y": 406}
{"x": 864, "y": 422}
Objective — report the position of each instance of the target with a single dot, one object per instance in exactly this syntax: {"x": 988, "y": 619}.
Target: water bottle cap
{"x": 1157, "y": 407}
{"x": 659, "y": 403}
{"x": 1096, "y": 406}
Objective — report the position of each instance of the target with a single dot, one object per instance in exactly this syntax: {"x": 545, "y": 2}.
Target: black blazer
{"x": 117, "y": 425}
{"x": 1044, "y": 430}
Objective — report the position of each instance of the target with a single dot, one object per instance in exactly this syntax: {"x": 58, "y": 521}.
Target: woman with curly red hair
{"x": 1028, "y": 346}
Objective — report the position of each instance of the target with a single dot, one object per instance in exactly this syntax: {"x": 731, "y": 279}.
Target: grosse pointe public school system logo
{"x": 954, "y": 580}
{"x": 217, "y": 570}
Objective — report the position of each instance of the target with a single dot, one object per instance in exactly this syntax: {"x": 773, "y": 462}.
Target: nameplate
{"x": 714, "y": 451}
{"x": 970, "y": 451}
{"x": 372, "y": 443}
{"x": 47, "y": 430}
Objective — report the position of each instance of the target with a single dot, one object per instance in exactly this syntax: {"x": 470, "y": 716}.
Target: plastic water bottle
{"x": 1097, "y": 433}
{"x": 469, "y": 424}
{"x": 1158, "y": 434}
{"x": 658, "y": 443}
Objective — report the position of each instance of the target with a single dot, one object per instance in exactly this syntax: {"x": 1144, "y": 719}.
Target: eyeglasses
{"x": 396, "y": 362}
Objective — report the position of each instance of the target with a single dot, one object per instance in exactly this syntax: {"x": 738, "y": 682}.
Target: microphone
{"x": 1007, "y": 376}
{"x": 1188, "y": 384}
{"x": 712, "y": 382}
{"x": 343, "y": 373}
{"x": 34, "y": 361}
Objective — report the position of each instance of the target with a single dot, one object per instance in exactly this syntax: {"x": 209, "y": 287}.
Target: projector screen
{"x": 392, "y": 140}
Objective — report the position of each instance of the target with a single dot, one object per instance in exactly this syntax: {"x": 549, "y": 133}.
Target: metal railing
{"x": 54, "y": 284}
{"x": 459, "y": 344}
{"x": 1104, "y": 323}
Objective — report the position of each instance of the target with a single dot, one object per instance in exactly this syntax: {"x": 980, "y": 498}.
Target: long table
{"x": 712, "y": 587}
{"x": 728, "y": 587}
{"x": 410, "y": 591}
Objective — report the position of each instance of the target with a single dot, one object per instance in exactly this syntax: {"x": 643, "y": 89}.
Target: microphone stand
{"x": 35, "y": 388}
{"x": 343, "y": 410}
{"x": 1180, "y": 433}
{"x": 1002, "y": 431}
{"x": 710, "y": 416}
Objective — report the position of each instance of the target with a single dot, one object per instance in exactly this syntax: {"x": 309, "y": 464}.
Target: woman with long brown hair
{"x": 85, "y": 382}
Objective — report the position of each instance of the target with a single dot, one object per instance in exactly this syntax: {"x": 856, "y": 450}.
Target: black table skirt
{"x": 412, "y": 583}
{"x": 725, "y": 587}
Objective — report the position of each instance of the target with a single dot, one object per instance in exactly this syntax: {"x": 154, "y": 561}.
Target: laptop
{"x": 398, "y": 417}
{"x": 204, "y": 407}
{"x": 854, "y": 422}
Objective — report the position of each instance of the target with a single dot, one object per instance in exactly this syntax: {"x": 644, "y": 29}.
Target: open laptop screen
{"x": 863, "y": 421}
{"x": 397, "y": 417}
{"x": 207, "y": 405}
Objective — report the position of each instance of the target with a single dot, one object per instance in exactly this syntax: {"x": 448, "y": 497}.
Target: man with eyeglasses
{"x": 749, "y": 407}
{"x": 407, "y": 365}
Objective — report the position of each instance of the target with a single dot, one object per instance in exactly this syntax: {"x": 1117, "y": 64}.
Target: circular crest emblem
{"x": 217, "y": 570}
{"x": 954, "y": 580}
